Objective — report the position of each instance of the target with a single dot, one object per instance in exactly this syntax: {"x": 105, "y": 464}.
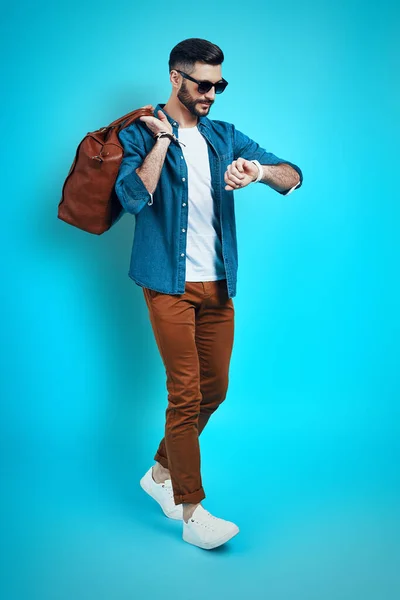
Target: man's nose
{"x": 210, "y": 95}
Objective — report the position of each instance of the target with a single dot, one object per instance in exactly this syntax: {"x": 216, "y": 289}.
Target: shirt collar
{"x": 203, "y": 121}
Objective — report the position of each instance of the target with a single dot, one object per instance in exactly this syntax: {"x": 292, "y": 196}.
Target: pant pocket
{"x": 150, "y": 293}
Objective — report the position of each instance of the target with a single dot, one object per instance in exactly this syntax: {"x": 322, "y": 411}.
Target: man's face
{"x": 188, "y": 94}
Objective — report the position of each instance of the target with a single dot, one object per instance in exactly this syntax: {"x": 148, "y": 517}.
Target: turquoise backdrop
{"x": 304, "y": 453}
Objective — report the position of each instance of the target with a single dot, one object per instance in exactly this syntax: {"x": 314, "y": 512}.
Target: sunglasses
{"x": 205, "y": 86}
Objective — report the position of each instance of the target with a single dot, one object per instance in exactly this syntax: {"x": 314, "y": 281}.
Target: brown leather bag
{"x": 89, "y": 200}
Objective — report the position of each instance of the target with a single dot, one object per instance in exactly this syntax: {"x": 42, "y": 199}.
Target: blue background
{"x": 304, "y": 452}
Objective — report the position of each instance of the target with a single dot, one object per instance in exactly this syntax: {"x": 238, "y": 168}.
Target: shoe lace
{"x": 204, "y": 524}
{"x": 168, "y": 486}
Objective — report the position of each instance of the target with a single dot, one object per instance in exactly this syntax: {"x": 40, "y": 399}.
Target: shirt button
{"x": 173, "y": 123}
{"x": 182, "y": 254}
{"x": 183, "y": 229}
{"x": 183, "y": 203}
{"x": 183, "y": 179}
{"x": 181, "y": 156}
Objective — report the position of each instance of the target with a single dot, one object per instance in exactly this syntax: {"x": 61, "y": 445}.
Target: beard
{"x": 190, "y": 103}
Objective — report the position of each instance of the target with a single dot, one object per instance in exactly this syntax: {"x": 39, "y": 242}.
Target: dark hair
{"x": 185, "y": 54}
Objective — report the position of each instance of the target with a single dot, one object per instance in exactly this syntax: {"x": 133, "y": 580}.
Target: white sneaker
{"x": 163, "y": 494}
{"x": 206, "y": 531}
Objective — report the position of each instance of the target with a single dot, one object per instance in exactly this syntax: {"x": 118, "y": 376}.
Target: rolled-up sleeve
{"x": 129, "y": 187}
{"x": 247, "y": 148}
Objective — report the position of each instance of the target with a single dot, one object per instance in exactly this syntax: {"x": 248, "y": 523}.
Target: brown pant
{"x": 194, "y": 334}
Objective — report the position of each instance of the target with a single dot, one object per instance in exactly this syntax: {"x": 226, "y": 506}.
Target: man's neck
{"x": 180, "y": 113}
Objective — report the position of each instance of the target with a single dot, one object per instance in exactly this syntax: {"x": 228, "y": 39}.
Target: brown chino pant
{"x": 194, "y": 333}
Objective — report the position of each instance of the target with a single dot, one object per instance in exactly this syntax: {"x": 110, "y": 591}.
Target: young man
{"x": 178, "y": 177}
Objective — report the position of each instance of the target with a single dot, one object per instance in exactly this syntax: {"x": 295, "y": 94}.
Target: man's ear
{"x": 174, "y": 78}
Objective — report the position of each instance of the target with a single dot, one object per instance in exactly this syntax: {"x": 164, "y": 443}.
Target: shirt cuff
{"x": 291, "y": 190}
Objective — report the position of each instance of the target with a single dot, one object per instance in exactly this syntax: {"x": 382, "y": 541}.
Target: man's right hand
{"x": 157, "y": 125}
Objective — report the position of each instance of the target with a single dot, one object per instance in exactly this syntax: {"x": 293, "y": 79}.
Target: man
{"x": 177, "y": 177}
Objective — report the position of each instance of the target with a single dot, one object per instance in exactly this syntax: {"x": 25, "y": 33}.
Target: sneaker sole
{"x": 210, "y": 545}
{"x": 147, "y": 489}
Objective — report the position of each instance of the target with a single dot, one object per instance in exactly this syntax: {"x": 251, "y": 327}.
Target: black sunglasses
{"x": 205, "y": 86}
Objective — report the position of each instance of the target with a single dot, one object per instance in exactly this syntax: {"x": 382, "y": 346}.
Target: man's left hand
{"x": 240, "y": 173}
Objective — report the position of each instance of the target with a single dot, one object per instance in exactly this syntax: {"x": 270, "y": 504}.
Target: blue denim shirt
{"x": 158, "y": 259}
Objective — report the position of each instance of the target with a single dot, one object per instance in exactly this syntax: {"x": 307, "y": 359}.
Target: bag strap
{"x": 129, "y": 118}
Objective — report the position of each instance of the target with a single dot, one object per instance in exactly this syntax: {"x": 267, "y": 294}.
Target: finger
{"x": 239, "y": 164}
{"x": 234, "y": 175}
{"x": 235, "y": 171}
{"x": 237, "y": 184}
{"x": 230, "y": 182}
{"x": 228, "y": 179}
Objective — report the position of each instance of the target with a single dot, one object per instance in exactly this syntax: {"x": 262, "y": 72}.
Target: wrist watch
{"x": 260, "y": 171}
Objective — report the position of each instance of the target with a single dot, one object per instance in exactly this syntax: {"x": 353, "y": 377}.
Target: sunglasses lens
{"x": 219, "y": 87}
{"x": 204, "y": 87}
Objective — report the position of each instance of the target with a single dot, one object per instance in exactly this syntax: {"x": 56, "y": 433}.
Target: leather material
{"x": 88, "y": 199}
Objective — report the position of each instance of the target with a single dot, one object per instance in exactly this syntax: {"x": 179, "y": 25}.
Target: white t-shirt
{"x": 204, "y": 260}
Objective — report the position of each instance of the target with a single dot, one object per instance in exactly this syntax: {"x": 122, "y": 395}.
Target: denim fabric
{"x": 158, "y": 259}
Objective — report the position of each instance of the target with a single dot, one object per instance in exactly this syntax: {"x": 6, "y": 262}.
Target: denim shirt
{"x": 158, "y": 259}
